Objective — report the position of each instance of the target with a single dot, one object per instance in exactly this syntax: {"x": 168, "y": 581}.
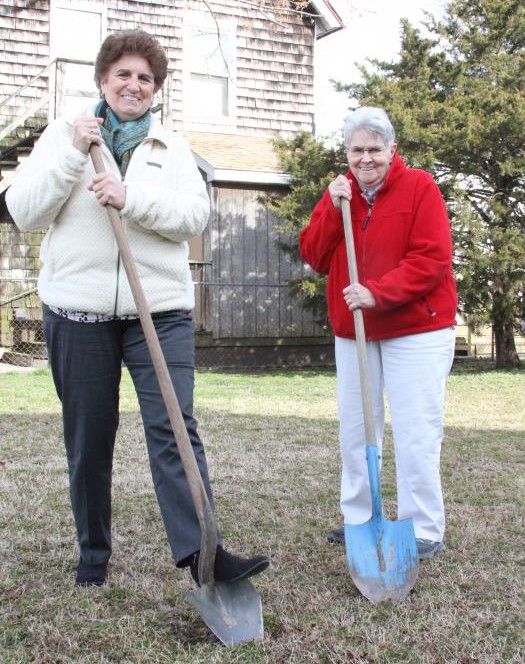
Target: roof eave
{"x": 240, "y": 177}
{"x": 328, "y": 20}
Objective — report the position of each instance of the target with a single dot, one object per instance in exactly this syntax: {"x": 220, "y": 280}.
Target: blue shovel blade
{"x": 382, "y": 558}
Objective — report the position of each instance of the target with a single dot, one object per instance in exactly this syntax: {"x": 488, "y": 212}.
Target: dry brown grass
{"x": 273, "y": 454}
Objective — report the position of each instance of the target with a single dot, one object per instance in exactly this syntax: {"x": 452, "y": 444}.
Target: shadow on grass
{"x": 276, "y": 482}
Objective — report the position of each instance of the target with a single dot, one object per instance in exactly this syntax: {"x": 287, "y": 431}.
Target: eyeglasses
{"x": 373, "y": 151}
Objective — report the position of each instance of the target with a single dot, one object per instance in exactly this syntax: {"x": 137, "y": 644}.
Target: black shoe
{"x": 90, "y": 575}
{"x": 229, "y": 567}
{"x": 336, "y": 536}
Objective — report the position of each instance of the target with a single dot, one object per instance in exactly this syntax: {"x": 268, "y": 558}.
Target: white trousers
{"x": 412, "y": 371}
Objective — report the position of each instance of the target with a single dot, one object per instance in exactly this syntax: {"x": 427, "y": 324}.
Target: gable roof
{"x": 241, "y": 159}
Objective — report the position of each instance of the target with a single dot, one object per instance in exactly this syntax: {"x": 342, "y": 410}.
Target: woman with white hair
{"x": 408, "y": 297}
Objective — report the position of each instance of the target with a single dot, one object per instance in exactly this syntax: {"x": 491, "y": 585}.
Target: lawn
{"x": 273, "y": 453}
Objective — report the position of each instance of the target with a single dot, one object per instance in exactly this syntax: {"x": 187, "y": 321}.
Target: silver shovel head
{"x": 233, "y": 611}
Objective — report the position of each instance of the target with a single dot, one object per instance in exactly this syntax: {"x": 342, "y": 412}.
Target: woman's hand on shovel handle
{"x": 109, "y": 190}
{"x": 339, "y": 188}
{"x": 358, "y": 297}
{"x": 85, "y": 132}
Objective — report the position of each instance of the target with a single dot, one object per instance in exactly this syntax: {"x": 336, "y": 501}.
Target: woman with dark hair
{"x": 408, "y": 297}
{"x": 90, "y": 319}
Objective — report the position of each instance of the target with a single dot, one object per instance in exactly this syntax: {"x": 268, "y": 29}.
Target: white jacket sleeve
{"x": 46, "y": 179}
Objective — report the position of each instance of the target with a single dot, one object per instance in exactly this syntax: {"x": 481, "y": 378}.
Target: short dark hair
{"x": 137, "y": 42}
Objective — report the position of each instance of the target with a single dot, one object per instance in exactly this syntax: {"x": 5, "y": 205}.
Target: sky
{"x": 372, "y": 31}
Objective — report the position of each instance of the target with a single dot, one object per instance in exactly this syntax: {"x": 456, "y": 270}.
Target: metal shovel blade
{"x": 381, "y": 555}
{"x": 382, "y": 559}
{"x": 233, "y": 611}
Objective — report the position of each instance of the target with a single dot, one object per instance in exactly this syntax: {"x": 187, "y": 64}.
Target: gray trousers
{"x": 86, "y": 361}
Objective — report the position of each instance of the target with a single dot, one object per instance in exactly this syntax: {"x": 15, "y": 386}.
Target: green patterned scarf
{"x": 122, "y": 137}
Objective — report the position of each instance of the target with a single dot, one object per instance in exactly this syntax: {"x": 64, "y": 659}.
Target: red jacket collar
{"x": 397, "y": 168}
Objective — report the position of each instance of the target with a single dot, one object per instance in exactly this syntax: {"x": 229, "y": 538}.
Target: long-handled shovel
{"x": 233, "y": 611}
{"x": 381, "y": 554}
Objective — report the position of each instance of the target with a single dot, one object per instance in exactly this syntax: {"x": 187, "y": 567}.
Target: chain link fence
{"x": 481, "y": 345}
{"x": 22, "y": 341}
{"x": 23, "y": 345}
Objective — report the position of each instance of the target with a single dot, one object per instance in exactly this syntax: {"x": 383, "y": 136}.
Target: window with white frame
{"x": 77, "y": 29}
{"x": 209, "y": 77}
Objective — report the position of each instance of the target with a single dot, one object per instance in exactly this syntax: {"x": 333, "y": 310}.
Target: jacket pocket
{"x": 428, "y": 307}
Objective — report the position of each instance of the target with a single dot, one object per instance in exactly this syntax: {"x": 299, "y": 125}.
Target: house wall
{"x": 249, "y": 272}
{"x": 273, "y": 71}
{"x": 24, "y": 42}
{"x": 24, "y": 39}
{"x": 244, "y": 294}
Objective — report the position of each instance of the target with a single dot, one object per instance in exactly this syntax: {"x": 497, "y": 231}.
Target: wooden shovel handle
{"x": 366, "y": 389}
{"x": 198, "y": 492}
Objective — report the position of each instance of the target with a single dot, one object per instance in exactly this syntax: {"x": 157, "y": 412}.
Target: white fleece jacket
{"x": 166, "y": 204}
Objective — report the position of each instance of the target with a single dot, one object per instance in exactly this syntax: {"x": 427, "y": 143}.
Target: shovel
{"x": 381, "y": 554}
{"x": 232, "y": 611}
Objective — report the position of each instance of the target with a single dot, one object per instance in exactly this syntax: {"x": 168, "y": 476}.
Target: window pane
{"x": 76, "y": 34}
{"x": 208, "y": 55}
{"x": 208, "y": 96}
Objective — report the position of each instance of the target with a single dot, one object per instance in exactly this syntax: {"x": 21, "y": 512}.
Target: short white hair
{"x": 371, "y": 119}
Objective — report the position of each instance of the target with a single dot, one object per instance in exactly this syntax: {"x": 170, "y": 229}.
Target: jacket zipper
{"x": 115, "y": 304}
{"x": 364, "y": 226}
{"x": 368, "y": 215}
{"x": 117, "y": 288}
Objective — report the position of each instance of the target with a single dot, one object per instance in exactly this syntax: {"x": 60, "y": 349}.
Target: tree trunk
{"x": 506, "y": 354}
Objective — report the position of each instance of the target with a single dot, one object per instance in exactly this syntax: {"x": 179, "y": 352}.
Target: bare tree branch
{"x": 224, "y": 58}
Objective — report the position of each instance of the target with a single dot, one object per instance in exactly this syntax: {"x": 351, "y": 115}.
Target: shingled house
{"x": 241, "y": 74}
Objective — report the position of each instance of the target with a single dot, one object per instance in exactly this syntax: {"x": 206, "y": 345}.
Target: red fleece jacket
{"x": 404, "y": 255}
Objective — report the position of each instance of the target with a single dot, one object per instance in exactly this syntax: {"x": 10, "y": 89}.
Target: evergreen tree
{"x": 312, "y": 166}
{"x": 457, "y": 101}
